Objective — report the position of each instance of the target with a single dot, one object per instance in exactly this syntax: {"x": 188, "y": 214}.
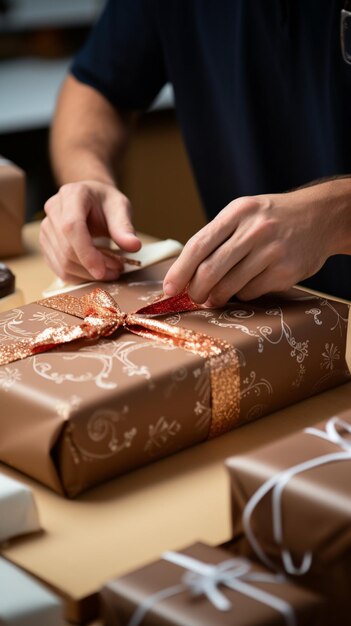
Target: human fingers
{"x": 117, "y": 211}
{"x": 216, "y": 268}
{"x": 78, "y": 202}
{"x": 250, "y": 274}
{"x": 67, "y": 270}
{"x": 64, "y": 264}
{"x": 68, "y": 213}
{"x": 58, "y": 243}
{"x": 196, "y": 250}
{"x": 273, "y": 279}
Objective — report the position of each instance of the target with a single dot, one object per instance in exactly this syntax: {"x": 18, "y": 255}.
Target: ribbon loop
{"x": 102, "y": 317}
{"x": 204, "y": 579}
{"x": 206, "y": 582}
{"x": 332, "y": 434}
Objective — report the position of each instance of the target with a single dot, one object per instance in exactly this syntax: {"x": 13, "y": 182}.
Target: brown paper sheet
{"x": 315, "y": 509}
{"x": 131, "y": 520}
{"x": 122, "y": 596}
{"x": 90, "y": 411}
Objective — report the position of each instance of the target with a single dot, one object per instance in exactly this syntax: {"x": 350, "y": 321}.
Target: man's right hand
{"x": 77, "y": 213}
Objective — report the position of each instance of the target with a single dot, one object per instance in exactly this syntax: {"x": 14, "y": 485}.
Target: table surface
{"x": 131, "y": 520}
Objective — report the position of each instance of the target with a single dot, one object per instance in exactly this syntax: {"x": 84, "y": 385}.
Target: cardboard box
{"x": 12, "y": 208}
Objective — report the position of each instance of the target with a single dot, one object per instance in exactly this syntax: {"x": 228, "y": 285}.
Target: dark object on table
{"x": 7, "y": 281}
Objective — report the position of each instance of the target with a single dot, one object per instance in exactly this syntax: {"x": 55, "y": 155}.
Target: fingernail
{"x": 169, "y": 289}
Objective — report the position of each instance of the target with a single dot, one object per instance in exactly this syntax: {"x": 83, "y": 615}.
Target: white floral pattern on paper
{"x": 256, "y": 411}
{"x": 299, "y": 377}
{"x": 65, "y": 408}
{"x": 11, "y": 326}
{"x": 173, "y": 320}
{"x": 151, "y": 294}
{"x": 49, "y": 318}
{"x": 299, "y": 349}
{"x": 315, "y": 312}
{"x": 103, "y": 355}
{"x": 9, "y": 376}
{"x": 340, "y": 321}
{"x": 176, "y": 377}
{"x": 331, "y": 353}
{"x": 227, "y": 318}
{"x": 123, "y": 350}
{"x": 160, "y": 433}
{"x": 257, "y": 387}
{"x": 101, "y": 428}
{"x": 45, "y": 369}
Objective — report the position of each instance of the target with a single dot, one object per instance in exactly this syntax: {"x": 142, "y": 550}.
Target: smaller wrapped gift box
{"x": 291, "y": 508}
{"x": 25, "y": 602}
{"x": 166, "y": 377}
{"x": 207, "y": 586}
{"x": 12, "y": 208}
{"x": 18, "y": 511}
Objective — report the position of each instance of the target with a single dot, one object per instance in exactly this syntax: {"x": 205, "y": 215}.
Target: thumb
{"x": 119, "y": 223}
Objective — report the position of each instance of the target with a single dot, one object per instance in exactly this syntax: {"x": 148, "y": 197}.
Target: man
{"x": 263, "y": 98}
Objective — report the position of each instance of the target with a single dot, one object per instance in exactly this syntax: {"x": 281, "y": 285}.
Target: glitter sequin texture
{"x": 102, "y": 317}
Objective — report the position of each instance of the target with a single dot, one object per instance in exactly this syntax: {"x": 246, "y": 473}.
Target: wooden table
{"x": 130, "y": 520}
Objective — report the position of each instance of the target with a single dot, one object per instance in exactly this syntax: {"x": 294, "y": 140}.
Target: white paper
{"x": 24, "y": 601}
{"x": 18, "y": 511}
{"x": 149, "y": 254}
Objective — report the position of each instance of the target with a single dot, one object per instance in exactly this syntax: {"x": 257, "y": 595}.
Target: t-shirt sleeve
{"x": 122, "y": 57}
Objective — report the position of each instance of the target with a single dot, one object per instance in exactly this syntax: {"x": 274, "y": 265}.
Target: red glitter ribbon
{"x": 103, "y": 317}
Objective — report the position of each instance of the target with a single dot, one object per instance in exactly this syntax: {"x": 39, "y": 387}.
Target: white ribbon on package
{"x": 204, "y": 579}
{"x": 277, "y": 483}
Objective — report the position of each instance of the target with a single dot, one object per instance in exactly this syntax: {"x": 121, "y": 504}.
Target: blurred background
{"x": 37, "y": 41}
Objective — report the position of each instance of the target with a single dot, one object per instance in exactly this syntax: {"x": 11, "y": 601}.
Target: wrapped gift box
{"x": 207, "y": 586}
{"x": 12, "y": 208}
{"x": 82, "y": 413}
{"x": 18, "y": 511}
{"x": 25, "y": 602}
{"x": 291, "y": 508}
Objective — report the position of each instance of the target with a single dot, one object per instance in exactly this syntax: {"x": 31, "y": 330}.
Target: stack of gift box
{"x": 289, "y": 559}
{"x": 99, "y": 381}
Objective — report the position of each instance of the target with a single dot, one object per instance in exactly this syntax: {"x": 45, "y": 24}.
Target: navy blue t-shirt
{"x": 263, "y": 95}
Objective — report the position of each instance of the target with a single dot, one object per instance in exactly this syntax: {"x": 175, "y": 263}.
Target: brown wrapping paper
{"x": 313, "y": 508}
{"x": 121, "y": 597}
{"x": 86, "y": 412}
{"x": 12, "y": 208}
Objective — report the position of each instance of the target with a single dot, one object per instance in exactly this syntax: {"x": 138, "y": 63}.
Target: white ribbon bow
{"x": 334, "y": 432}
{"x": 204, "y": 579}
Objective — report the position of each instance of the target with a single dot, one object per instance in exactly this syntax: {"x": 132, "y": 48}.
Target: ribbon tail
{"x": 46, "y": 340}
{"x": 222, "y": 361}
{"x": 174, "y": 304}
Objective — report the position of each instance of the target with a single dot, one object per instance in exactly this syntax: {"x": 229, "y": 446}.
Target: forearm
{"x": 87, "y": 137}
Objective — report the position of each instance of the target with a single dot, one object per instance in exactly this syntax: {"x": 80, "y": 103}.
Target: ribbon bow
{"x": 204, "y": 579}
{"x": 334, "y": 432}
{"x": 102, "y": 317}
